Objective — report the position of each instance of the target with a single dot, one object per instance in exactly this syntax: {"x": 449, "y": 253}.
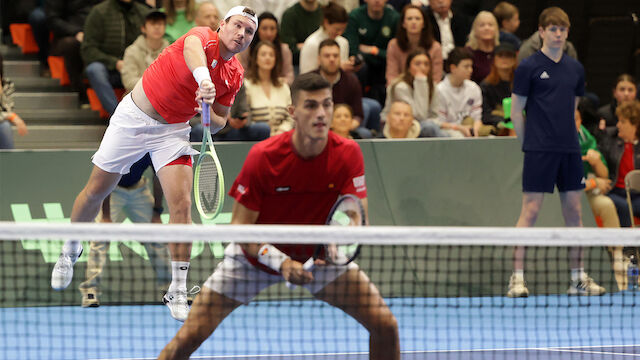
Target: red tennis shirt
{"x": 170, "y": 86}
{"x": 287, "y": 189}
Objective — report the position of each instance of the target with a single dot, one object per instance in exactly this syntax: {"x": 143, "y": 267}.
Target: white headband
{"x": 239, "y": 10}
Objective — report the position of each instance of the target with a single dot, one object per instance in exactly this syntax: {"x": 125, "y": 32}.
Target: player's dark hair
{"x": 308, "y": 82}
{"x": 456, "y": 56}
{"x": 327, "y": 42}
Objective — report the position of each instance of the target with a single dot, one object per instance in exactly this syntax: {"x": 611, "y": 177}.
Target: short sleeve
{"x": 355, "y": 182}
{"x": 521, "y": 79}
{"x": 247, "y": 188}
{"x": 201, "y": 32}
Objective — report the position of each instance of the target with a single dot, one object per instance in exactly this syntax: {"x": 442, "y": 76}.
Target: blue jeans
{"x": 103, "y": 82}
{"x": 619, "y": 197}
{"x": 431, "y": 129}
{"x": 38, "y": 22}
{"x": 6, "y": 135}
{"x": 371, "y": 109}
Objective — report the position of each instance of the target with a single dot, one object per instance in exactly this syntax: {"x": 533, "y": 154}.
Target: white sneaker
{"x": 585, "y": 287}
{"x": 517, "y": 287}
{"x": 62, "y": 273}
{"x": 178, "y": 303}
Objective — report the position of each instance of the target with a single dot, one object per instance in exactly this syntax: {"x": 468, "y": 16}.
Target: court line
{"x": 557, "y": 349}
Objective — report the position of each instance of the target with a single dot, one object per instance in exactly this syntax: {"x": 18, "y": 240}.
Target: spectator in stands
{"x": 449, "y": 29}
{"x": 333, "y": 26}
{"x": 624, "y": 89}
{"x": 548, "y": 85}
{"x": 207, "y": 15}
{"x": 7, "y": 115}
{"x": 181, "y": 15}
{"x": 400, "y": 123}
{"x": 346, "y": 88}
{"x": 597, "y": 186}
{"x": 621, "y": 154}
{"x": 111, "y": 26}
{"x": 131, "y": 199}
{"x": 268, "y": 31}
{"x": 268, "y": 95}
{"x": 139, "y": 55}
{"x": 415, "y": 87}
{"x": 66, "y": 19}
{"x": 460, "y": 99}
{"x": 508, "y": 18}
{"x": 38, "y": 22}
{"x": 414, "y": 30}
{"x": 348, "y": 5}
{"x": 496, "y": 87}
{"x": 483, "y": 39}
{"x": 343, "y": 122}
{"x": 298, "y": 22}
{"x": 369, "y": 30}
{"x": 534, "y": 43}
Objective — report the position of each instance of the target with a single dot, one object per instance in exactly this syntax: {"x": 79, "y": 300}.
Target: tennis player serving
{"x": 292, "y": 178}
{"x": 199, "y": 67}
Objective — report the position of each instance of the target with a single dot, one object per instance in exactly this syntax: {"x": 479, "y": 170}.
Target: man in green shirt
{"x": 369, "y": 30}
{"x": 298, "y": 22}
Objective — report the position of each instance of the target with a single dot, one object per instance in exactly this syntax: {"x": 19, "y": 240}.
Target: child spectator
{"x": 483, "y": 39}
{"x": 496, "y": 87}
{"x": 400, "y": 123}
{"x": 181, "y": 15}
{"x": 414, "y": 30}
{"x": 7, "y": 116}
{"x": 460, "y": 102}
{"x": 343, "y": 122}
{"x": 333, "y": 26}
{"x": 508, "y": 18}
{"x": 415, "y": 87}
{"x": 139, "y": 55}
{"x": 268, "y": 31}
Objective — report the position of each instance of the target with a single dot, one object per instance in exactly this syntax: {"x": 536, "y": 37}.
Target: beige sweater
{"x": 137, "y": 58}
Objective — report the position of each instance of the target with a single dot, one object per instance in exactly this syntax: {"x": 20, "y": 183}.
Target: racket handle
{"x": 206, "y": 120}
{"x": 307, "y": 266}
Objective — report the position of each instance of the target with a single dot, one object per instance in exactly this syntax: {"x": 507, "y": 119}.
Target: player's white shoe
{"x": 176, "y": 301}
{"x": 62, "y": 273}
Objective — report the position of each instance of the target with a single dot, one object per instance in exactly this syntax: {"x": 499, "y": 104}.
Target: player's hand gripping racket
{"x": 347, "y": 211}
{"x": 208, "y": 179}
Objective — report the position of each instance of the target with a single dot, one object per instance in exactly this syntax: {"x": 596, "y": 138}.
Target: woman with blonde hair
{"x": 483, "y": 39}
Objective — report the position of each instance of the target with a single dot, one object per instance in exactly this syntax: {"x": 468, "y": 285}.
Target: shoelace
{"x": 194, "y": 290}
{"x": 64, "y": 265}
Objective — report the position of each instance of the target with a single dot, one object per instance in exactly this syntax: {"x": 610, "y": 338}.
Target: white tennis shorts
{"x": 132, "y": 133}
{"x": 236, "y": 278}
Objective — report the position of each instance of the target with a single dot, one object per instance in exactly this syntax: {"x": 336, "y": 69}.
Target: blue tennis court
{"x": 538, "y": 327}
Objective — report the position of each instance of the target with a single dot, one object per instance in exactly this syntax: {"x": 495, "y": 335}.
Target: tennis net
{"x": 446, "y": 288}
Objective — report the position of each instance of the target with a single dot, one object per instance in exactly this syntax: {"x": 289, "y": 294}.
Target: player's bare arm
{"x": 517, "y": 106}
{"x": 290, "y": 269}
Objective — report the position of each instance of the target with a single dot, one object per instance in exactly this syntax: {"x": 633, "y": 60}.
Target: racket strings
{"x": 209, "y": 193}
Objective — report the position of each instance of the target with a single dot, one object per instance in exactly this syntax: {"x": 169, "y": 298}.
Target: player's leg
{"x": 85, "y": 208}
{"x": 356, "y": 295}
{"x": 207, "y": 312}
{"x": 176, "y": 183}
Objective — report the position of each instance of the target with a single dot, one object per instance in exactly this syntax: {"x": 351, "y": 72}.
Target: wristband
{"x": 375, "y": 51}
{"x": 12, "y": 117}
{"x": 201, "y": 74}
{"x": 271, "y": 257}
{"x": 591, "y": 184}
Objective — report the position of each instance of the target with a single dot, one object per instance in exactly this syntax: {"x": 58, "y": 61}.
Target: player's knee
{"x": 180, "y": 207}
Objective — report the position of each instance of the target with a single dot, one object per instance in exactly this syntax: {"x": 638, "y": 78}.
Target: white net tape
{"x": 372, "y": 235}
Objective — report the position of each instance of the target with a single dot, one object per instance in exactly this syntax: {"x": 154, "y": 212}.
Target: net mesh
{"x": 446, "y": 288}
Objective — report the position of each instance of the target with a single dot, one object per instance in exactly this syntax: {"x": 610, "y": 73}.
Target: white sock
{"x": 519, "y": 273}
{"x": 71, "y": 248}
{"x": 577, "y": 274}
{"x": 179, "y": 270}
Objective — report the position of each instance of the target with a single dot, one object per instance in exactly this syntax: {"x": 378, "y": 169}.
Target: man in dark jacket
{"x": 110, "y": 27}
{"x": 449, "y": 29}
{"x": 66, "y": 18}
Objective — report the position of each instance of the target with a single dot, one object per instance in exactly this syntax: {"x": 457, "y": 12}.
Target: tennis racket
{"x": 346, "y": 211}
{"x": 208, "y": 179}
